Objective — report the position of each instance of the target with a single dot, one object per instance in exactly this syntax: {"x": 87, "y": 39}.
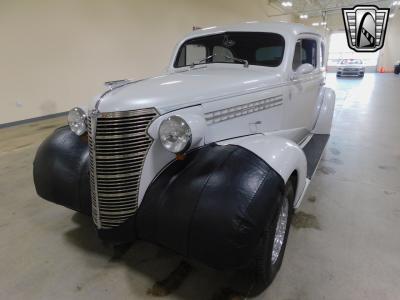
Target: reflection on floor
{"x": 344, "y": 242}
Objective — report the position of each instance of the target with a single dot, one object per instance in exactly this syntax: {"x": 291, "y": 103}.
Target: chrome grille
{"x": 118, "y": 143}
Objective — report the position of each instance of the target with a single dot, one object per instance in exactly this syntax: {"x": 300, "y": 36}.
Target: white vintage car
{"x": 209, "y": 159}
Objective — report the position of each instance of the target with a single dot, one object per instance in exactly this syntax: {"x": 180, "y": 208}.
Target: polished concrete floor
{"x": 344, "y": 242}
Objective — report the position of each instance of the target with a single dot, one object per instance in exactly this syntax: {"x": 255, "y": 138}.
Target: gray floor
{"x": 344, "y": 242}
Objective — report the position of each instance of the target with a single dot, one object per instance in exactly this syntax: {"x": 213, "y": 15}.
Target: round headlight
{"x": 175, "y": 134}
{"x": 77, "y": 120}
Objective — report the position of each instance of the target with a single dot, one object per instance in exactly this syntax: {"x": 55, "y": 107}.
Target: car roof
{"x": 284, "y": 28}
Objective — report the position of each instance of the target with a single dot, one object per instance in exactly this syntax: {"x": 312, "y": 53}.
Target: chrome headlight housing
{"x": 175, "y": 134}
{"x": 77, "y": 120}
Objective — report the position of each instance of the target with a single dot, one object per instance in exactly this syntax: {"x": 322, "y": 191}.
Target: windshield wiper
{"x": 243, "y": 61}
{"x": 201, "y": 60}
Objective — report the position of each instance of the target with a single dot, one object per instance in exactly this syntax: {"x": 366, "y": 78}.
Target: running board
{"x": 313, "y": 151}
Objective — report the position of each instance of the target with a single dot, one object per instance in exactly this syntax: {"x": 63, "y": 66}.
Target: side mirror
{"x": 303, "y": 69}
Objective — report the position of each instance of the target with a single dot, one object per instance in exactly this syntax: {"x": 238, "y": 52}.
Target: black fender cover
{"x": 212, "y": 207}
{"x": 61, "y": 170}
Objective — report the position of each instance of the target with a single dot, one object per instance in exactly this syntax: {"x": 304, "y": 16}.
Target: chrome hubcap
{"x": 280, "y": 231}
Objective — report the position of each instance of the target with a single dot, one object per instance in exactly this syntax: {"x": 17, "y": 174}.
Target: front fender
{"x": 61, "y": 170}
{"x": 283, "y": 155}
{"x": 213, "y": 206}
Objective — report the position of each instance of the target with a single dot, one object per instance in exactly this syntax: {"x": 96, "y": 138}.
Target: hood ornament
{"x": 116, "y": 83}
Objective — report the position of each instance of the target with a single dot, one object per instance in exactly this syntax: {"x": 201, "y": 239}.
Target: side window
{"x": 191, "y": 53}
{"x": 322, "y": 54}
{"x": 305, "y": 53}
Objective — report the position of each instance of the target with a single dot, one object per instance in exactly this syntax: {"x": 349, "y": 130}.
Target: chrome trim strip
{"x": 119, "y": 175}
{"x": 117, "y": 136}
{"x": 128, "y": 113}
{"x": 237, "y": 111}
{"x": 106, "y": 195}
{"x": 121, "y": 156}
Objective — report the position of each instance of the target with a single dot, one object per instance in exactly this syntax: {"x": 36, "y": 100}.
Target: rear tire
{"x": 269, "y": 255}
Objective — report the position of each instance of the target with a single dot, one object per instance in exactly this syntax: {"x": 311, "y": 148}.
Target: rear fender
{"x": 327, "y": 107}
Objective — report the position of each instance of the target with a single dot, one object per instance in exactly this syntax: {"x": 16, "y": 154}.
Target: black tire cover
{"x": 61, "y": 170}
{"x": 212, "y": 207}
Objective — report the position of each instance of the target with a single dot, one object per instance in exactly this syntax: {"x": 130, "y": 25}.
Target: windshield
{"x": 351, "y": 62}
{"x": 257, "y": 48}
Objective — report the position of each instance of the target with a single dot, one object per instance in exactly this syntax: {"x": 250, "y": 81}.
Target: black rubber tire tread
{"x": 262, "y": 271}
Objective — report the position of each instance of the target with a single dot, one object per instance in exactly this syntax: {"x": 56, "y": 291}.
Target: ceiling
{"x": 317, "y": 8}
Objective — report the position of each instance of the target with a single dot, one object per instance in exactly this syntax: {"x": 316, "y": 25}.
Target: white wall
{"x": 56, "y": 54}
{"x": 390, "y": 53}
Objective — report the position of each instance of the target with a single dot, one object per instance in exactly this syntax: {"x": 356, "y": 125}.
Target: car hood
{"x": 177, "y": 90}
{"x": 351, "y": 66}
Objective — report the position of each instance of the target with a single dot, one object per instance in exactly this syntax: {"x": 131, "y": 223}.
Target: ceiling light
{"x": 396, "y": 3}
{"x": 323, "y": 23}
{"x": 303, "y": 16}
{"x": 287, "y": 4}
{"x": 315, "y": 24}
{"x": 391, "y": 15}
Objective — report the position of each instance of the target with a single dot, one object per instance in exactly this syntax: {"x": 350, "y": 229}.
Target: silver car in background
{"x": 351, "y": 67}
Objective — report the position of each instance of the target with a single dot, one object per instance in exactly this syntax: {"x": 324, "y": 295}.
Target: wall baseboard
{"x": 31, "y": 120}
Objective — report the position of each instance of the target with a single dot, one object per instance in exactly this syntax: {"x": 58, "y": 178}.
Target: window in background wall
{"x": 339, "y": 49}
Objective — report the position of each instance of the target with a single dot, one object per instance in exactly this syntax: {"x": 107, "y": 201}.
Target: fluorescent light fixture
{"x": 287, "y": 4}
{"x": 391, "y": 15}
{"x": 315, "y": 24}
{"x": 303, "y": 16}
{"x": 323, "y": 23}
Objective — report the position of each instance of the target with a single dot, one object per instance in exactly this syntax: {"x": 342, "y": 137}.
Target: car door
{"x": 301, "y": 108}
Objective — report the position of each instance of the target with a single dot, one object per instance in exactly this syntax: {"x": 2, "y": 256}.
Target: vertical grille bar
{"x": 92, "y": 121}
{"x": 118, "y": 144}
